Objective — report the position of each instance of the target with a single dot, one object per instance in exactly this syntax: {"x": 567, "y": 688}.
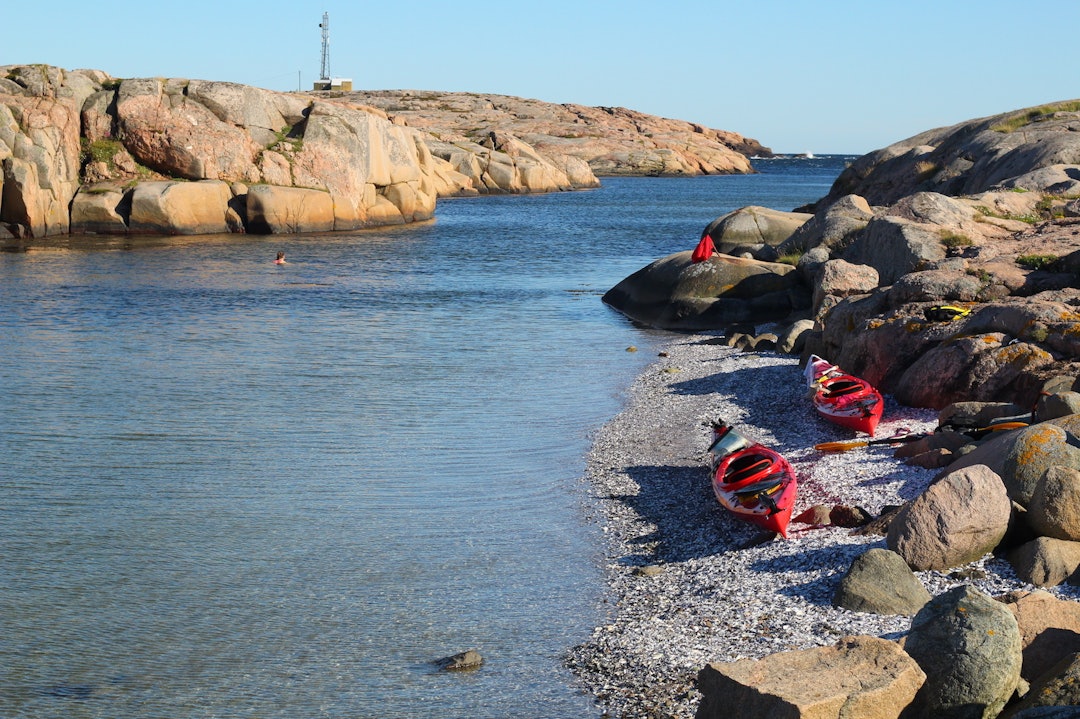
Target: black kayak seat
{"x": 746, "y": 467}
{"x": 842, "y": 387}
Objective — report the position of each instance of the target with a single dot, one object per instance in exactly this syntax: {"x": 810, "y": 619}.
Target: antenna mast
{"x": 324, "y": 71}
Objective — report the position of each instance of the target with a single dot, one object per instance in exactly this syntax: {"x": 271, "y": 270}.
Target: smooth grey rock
{"x": 880, "y": 582}
{"x": 969, "y": 647}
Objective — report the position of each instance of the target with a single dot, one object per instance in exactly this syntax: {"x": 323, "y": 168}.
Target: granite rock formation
{"x": 85, "y": 153}
{"x": 607, "y": 140}
{"x": 985, "y": 215}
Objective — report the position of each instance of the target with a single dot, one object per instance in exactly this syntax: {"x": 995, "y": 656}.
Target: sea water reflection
{"x": 237, "y": 489}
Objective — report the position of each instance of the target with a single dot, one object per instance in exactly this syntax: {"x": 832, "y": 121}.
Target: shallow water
{"x": 238, "y": 489}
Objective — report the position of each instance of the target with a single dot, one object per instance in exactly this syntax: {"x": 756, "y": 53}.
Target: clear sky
{"x": 839, "y": 76}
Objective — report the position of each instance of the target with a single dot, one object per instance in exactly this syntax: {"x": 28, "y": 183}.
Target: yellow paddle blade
{"x": 840, "y": 446}
{"x": 1006, "y": 425}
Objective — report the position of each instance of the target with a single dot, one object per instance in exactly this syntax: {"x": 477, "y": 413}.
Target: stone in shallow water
{"x": 470, "y": 659}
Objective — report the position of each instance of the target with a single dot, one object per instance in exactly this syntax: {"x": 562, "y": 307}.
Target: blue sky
{"x": 843, "y": 77}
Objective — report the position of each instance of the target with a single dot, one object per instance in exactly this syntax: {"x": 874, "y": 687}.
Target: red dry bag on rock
{"x": 704, "y": 249}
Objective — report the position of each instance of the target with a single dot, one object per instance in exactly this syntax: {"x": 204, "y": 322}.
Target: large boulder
{"x": 864, "y": 677}
{"x": 970, "y": 157}
{"x": 939, "y": 286}
{"x": 100, "y": 209}
{"x": 180, "y": 208}
{"x": 969, "y": 647}
{"x": 957, "y": 520}
{"x": 838, "y": 278}
{"x": 39, "y": 156}
{"x": 356, "y": 156}
{"x": 1058, "y": 689}
{"x": 880, "y": 582}
{"x": 275, "y": 210}
{"x": 834, "y": 229}
{"x": 1047, "y": 562}
{"x": 677, "y": 294}
{"x": 1049, "y": 629}
{"x": 1022, "y": 456}
{"x": 177, "y": 136}
{"x": 979, "y": 366}
{"x": 751, "y": 229}
{"x": 265, "y": 115}
{"x": 1054, "y": 510}
{"x": 895, "y": 246}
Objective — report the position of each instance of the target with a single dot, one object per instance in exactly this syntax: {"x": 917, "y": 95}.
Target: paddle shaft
{"x": 974, "y": 433}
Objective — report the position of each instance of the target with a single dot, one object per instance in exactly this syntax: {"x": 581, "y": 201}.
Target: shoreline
{"x": 687, "y": 584}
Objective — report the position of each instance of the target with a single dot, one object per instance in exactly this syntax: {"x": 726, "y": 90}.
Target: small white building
{"x": 343, "y": 84}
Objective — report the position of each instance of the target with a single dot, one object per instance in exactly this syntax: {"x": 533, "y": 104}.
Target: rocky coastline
{"x": 936, "y": 579}
{"x": 708, "y": 617}
{"x": 610, "y": 140}
{"x": 690, "y": 587}
{"x": 85, "y": 153}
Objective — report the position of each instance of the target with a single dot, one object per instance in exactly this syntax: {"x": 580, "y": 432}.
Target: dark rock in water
{"x": 880, "y": 582}
{"x": 70, "y": 691}
{"x": 470, "y": 659}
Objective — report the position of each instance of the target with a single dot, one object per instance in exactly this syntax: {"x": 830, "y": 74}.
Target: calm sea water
{"x": 233, "y": 489}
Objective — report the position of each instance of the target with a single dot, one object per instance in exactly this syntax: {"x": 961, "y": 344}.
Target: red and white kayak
{"x": 751, "y": 481}
{"x": 843, "y": 398}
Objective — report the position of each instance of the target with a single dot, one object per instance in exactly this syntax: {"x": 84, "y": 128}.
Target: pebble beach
{"x": 687, "y": 583}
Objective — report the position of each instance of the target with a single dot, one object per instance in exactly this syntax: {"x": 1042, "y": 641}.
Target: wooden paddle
{"x": 855, "y": 444}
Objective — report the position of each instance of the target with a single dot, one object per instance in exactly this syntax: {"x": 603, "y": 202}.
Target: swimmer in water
{"x": 280, "y": 259}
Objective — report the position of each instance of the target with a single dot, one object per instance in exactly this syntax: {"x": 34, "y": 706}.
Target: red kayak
{"x": 843, "y": 398}
{"x": 751, "y": 481}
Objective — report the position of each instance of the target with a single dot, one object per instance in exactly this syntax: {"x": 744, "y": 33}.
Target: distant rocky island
{"x": 85, "y": 153}
{"x": 610, "y": 140}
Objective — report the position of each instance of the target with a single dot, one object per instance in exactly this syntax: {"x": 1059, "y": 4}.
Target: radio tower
{"x": 324, "y": 71}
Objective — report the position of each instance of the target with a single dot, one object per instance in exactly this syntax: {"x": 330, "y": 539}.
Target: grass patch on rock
{"x": 1036, "y": 114}
{"x": 1036, "y": 262}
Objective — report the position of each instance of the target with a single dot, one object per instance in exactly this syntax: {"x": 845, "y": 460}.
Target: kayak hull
{"x": 754, "y": 483}
{"x": 842, "y": 398}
